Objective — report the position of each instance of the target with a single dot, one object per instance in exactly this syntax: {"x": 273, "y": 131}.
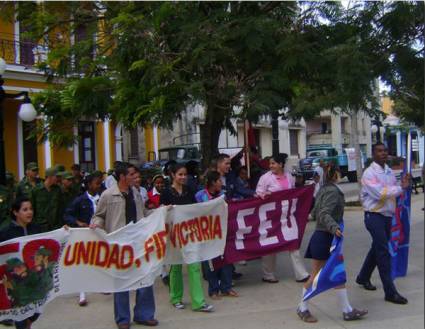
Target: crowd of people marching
{"x": 92, "y": 200}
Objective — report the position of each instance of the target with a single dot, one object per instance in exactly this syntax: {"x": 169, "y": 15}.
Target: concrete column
{"x": 21, "y": 164}
{"x": 336, "y": 132}
{"x": 369, "y": 135}
{"x": 155, "y": 141}
{"x": 302, "y": 143}
{"x": 76, "y": 145}
{"x": 47, "y": 154}
{"x": 118, "y": 142}
{"x": 283, "y": 137}
{"x": 107, "y": 144}
{"x": 421, "y": 149}
{"x": 398, "y": 143}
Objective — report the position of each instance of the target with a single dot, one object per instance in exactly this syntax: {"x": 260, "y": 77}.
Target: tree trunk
{"x": 210, "y": 133}
{"x": 354, "y": 142}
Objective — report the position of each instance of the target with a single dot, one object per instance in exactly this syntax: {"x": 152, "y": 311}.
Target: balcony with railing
{"x": 22, "y": 53}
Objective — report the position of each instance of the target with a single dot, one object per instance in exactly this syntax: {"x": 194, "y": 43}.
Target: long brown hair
{"x": 330, "y": 171}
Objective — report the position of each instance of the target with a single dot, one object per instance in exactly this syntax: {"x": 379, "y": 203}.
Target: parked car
{"x": 328, "y": 154}
{"x": 180, "y": 154}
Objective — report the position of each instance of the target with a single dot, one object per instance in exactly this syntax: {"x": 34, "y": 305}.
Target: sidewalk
{"x": 272, "y": 306}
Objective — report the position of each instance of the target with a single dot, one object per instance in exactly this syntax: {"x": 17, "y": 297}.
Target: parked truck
{"x": 328, "y": 154}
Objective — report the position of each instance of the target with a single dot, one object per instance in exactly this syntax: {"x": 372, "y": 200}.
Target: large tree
{"x": 153, "y": 59}
{"x": 148, "y": 61}
{"x": 402, "y": 28}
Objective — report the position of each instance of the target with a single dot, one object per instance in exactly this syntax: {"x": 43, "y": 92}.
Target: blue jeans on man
{"x": 219, "y": 280}
{"x": 144, "y": 309}
{"x": 379, "y": 227}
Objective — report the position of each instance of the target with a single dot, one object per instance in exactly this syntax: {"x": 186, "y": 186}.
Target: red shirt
{"x": 153, "y": 199}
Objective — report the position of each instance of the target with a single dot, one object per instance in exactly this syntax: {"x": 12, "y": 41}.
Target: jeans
{"x": 23, "y": 324}
{"x": 218, "y": 280}
{"x": 195, "y": 285}
{"x": 143, "y": 310}
{"x": 379, "y": 227}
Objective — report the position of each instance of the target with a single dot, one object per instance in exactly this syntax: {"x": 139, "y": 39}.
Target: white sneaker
{"x": 207, "y": 308}
{"x": 179, "y": 306}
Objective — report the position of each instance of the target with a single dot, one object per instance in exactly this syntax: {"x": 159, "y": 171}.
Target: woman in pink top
{"x": 272, "y": 181}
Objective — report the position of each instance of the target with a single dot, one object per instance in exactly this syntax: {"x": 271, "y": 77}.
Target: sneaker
{"x": 354, "y": 315}
{"x": 7, "y": 323}
{"x": 207, "y": 308}
{"x": 165, "y": 280}
{"x": 304, "y": 280}
{"x": 179, "y": 306}
{"x": 306, "y": 316}
{"x": 83, "y": 302}
{"x": 236, "y": 275}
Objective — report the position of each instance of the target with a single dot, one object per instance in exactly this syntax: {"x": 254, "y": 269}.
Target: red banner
{"x": 259, "y": 227}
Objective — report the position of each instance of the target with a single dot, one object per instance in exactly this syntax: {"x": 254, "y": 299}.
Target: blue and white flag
{"x": 332, "y": 274}
{"x": 400, "y": 228}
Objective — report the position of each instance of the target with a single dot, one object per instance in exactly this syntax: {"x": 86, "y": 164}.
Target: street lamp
{"x": 27, "y": 113}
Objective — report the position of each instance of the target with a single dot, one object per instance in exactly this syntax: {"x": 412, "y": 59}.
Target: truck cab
{"x": 328, "y": 154}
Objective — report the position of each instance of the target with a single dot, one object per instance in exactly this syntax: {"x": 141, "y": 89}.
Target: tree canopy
{"x": 145, "y": 62}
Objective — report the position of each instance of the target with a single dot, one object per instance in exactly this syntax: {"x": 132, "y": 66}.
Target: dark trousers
{"x": 379, "y": 227}
{"x": 218, "y": 280}
{"x": 24, "y": 323}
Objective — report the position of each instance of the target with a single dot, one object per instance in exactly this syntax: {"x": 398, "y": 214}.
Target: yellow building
{"x": 98, "y": 144}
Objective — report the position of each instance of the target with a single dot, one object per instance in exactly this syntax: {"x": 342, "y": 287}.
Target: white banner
{"x": 351, "y": 159}
{"x": 196, "y": 232}
{"x": 35, "y": 269}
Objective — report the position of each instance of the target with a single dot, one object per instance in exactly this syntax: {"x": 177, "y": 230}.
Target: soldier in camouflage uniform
{"x": 30, "y": 181}
{"x": 78, "y": 178}
{"x": 11, "y": 184}
{"x": 46, "y": 201}
{"x": 60, "y": 170}
{"x": 6, "y": 198}
{"x": 68, "y": 193}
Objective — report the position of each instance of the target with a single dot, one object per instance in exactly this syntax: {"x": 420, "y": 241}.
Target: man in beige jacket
{"x": 119, "y": 205}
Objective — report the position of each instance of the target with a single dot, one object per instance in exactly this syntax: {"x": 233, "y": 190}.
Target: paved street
{"x": 268, "y": 306}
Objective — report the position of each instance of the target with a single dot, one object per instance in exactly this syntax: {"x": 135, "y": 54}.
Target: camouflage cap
{"x": 51, "y": 172}
{"x": 97, "y": 173}
{"x": 14, "y": 262}
{"x": 43, "y": 251}
{"x": 32, "y": 166}
{"x": 67, "y": 175}
{"x": 60, "y": 168}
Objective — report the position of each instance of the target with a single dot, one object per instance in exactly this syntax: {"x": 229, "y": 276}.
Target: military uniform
{"x": 46, "y": 207}
{"x": 46, "y": 204}
{"x": 25, "y": 187}
{"x": 67, "y": 195}
{"x": 11, "y": 184}
{"x": 5, "y": 204}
